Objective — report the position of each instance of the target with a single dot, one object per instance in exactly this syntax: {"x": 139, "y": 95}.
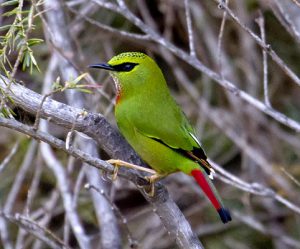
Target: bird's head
{"x": 131, "y": 71}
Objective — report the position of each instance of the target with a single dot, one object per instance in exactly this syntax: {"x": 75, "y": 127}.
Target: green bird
{"x": 155, "y": 126}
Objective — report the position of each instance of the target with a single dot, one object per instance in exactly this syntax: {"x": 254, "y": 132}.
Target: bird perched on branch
{"x": 154, "y": 125}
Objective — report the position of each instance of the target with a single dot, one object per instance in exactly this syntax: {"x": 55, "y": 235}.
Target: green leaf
{"x": 12, "y": 12}
{"x": 33, "y": 62}
{"x": 79, "y": 78}
{"x": 11, "y": 2}
{"x": 56, "y": 84}
{"x": 26, "y": 60}
{"x": 34, "y": 41}
{"x": 7, "y": 112}
{"x": 5, "y": 27}
{"x": 30, "y": 16}
{"x": 84, "y": 90}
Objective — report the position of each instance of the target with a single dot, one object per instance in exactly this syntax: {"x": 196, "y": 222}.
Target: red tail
{"x": 209, "y": 191}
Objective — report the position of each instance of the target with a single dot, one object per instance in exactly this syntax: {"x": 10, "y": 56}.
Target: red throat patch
{"x": 118, "y": 97}
{"x": 118, "y": 89}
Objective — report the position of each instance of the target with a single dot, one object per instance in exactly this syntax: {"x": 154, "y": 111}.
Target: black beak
{"x": 103, "y": 66}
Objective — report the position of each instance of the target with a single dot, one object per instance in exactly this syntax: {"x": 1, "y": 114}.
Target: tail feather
{"x": 224, "y": 215}
{"x": 211, "y": 193}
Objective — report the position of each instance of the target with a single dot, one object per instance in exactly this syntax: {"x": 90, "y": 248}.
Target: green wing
{"x": 169, "y": 125}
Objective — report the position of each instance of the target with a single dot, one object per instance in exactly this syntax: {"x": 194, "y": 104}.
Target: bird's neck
{"x": 142, "y": 89}
{"x": 118, "y": 98}
{"x": 118, "y": 89}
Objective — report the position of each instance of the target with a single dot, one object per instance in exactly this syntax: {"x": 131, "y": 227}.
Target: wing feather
{"x": 169, "y": 126}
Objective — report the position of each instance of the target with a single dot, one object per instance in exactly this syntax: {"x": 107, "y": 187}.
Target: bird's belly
{"x": 160, "y": 157}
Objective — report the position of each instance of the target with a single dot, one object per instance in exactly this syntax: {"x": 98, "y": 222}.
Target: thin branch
{"x": 220, "y": 39}
{"x": 8, "y": 158}
{"x": 189, "y": 28}
{"x": 38, "y": 113}
{"x": 289, "y": 175}
{"x": 261, "y": 23}
{"x": 109, "y": 29}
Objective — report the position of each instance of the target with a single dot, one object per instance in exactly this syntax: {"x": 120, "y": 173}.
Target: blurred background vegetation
{"x": 235, "y": 134}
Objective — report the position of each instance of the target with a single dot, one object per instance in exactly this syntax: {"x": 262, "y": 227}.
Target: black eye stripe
{"x": 124, "y": 67}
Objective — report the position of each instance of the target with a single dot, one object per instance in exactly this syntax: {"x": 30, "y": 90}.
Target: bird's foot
{"x": 119, "y": 163}
{"x": 152, "y": 180}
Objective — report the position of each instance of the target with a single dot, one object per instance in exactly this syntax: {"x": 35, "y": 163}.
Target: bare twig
{"x": 289, "y": 175}
{"x": 261, "y": 23}
{"x": 106, "y": 28}
{"x": 221, "y": 32}
{"x": 69, "y": 138}
{"x": 8, "y": 158}
{"x": 189, "y": 28}
{"x": 38, "y": 113}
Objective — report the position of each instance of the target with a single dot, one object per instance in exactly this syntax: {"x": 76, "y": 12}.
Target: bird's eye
{"x": 125, "y": 67}
{"x": 128, "y": 67}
